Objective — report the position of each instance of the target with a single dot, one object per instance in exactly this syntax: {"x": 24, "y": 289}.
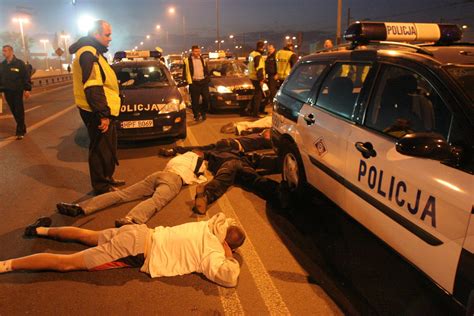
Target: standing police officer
{"x": 256, "y": 68}
{"x": 197, "y": 75}
{"x": 271, "y": 71}
{"x": 16, "y": 83}
{"x": 96, "y": 94}
{"x": 285, "y": 60}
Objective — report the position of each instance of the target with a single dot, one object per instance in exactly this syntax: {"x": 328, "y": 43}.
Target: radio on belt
{"x": 364, "y": 32}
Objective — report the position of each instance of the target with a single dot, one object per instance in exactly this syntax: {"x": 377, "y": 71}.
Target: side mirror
{"x": 182, "y": 83}
{"x": 424, "y": 145}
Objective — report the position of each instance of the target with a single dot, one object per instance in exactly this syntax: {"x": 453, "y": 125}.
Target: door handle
{"x": 310, "y": 120}
{"x": 367, "y": 149}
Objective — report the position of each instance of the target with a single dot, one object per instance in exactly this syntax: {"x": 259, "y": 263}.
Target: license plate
{"x": 136, "y": 124}
{"x": 244, "y": 97}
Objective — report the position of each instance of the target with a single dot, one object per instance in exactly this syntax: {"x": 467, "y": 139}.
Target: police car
{"x": 230, "y": 86}
{"x": 152, "y": 106}
{"x": 385, "y": 129}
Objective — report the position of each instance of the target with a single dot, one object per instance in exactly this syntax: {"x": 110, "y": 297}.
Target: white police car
{"x": 386, "y": 130}
{"x": 152, "y": 106}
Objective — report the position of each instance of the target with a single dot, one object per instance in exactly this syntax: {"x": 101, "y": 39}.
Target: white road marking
{"x": 33, "y": 127}
{"x": 26, "y": 111}
{"x": 268, "y": 291}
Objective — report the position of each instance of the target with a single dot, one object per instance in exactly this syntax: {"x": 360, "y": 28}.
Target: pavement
{"x": 313, "y": 261}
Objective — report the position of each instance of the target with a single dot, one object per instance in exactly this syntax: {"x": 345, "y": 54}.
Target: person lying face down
{"x": 204, "y": 247}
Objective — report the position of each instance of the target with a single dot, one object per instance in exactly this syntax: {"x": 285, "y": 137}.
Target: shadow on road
{"x": 58, "y": 177}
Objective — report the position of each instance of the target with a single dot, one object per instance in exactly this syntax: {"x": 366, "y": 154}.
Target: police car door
{"x": 419, "y": 206}
{"x": 325, "y": 127}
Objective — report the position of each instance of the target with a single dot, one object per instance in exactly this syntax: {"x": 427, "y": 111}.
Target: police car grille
{"x": 244, "y": 91}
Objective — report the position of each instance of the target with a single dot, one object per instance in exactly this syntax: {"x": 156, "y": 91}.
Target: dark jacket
{"x": 270, "y": 65}
{"x": 14, "y": 76}
{"x": 95, "y": 95}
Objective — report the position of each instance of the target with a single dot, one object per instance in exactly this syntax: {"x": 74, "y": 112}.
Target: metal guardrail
{"x": 50, "y": 80}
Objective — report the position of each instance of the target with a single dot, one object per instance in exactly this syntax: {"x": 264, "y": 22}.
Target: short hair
{"x": 290, "y": 45}
{"x": 7, "y": 46}
{"x": 235, "y": 237}
{"x": 97, "y": 27}
{"x": 194, "y": 47}
{"x": 260, "y": 45}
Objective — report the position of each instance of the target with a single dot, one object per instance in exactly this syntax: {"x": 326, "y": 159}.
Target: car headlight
{"x": 223, "y": 89}
{"x": 174, "y": 105}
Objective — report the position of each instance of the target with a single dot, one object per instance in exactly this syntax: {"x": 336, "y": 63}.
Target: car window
{"x": 405, "y": 102}
{"x": 141, "y": 77}
{"x": 226, "y": 69}
{"x": 301, "y": 82}
{"x": 341, "y": 88}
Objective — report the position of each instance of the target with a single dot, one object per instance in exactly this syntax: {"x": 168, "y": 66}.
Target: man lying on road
{"x": 243, "y": 144}
{"x": 159, "y": 188}
{"x": 204, "y": 247}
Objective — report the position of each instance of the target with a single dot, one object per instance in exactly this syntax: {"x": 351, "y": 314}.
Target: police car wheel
{"x": 183, "y": 135}
{"x": 292, "y": 167}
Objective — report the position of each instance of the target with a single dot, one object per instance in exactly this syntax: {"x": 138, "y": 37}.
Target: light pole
{"x": 45, "y": 41}
{"x": 172, "y": 11}
{"x": 65, "y": 37}
{"x": 21, "y": 21}
{"x": 217, "y": 25}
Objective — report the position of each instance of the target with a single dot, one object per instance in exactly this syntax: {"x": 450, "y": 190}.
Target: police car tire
{"x": 288, "y": 152}
{"x": 184, "y": 134}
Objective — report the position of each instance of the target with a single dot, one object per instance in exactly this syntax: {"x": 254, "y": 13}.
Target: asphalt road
{"x": 314, "y": 260}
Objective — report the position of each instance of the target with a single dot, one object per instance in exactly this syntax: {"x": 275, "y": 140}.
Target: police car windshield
{"x": 141, "y": 76}
{"x": 226, "y": 68}
{"x": 464, "y": 75}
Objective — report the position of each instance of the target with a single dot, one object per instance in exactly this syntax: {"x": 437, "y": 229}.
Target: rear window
{"x": 302, "y": 80}
{"x": 138, "y": 76}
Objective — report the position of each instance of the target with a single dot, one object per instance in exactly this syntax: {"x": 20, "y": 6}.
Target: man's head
{"x": 7, "y": 51}
{"x": 290, "y": 46}
{"x": 196, "y": 51}
{"x": 235, "y": 237}
{"x": 260, "y": 46}
{"x": 102, "y": 32}
{"x": 328, "y": 44}
{"x": 270, "y": 48}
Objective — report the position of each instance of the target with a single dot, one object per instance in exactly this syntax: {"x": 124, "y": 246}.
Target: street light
{"x": 287, "y": 37}
{"x": 148, "y": 37}
{"x": 22, "y": 21}
{"x": 141, "y": 43}
{"x": 172, "y": 11}
{"x": 158, "y": 26}
{"x": 231, "y": 36}
{"x": 45, "y": 41}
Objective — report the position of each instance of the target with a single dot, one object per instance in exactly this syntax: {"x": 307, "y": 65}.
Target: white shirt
{"x": 193, "y": 247}
{"x": 198, "y": 69}
{"x": 184, "y": 166}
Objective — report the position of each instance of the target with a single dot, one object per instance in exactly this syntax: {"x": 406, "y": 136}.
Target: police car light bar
{"x": 365, "y": 32}
{"x": 130, "y": 54}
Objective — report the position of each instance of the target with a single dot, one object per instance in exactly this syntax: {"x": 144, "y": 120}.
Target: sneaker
{"x": 124, "y": 221}
{"x": 200, "y": 201}
{"x": 68, "y": 209}
{"x": 30, "y": 230}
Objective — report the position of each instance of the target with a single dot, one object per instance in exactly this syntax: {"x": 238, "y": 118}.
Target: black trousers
{"x": 102, "y": 151}
{"x": 273, "y": 85}
{"x": 199, "y": 89}
{"x": 15, "y": 102}
{"x": 256, "y": 102}
{"x": 240, "y": 172}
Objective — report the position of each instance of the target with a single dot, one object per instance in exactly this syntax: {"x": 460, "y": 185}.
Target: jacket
{"x": 14, "y": 76}
{"x": 94, "y": 81}
{"x": 188, "y": 70}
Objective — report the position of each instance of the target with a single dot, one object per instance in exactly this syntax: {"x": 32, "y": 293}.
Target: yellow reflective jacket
{"x": 108, "y": 81}
{"x": 253, "y": 70}
{"x": 283, "y": 57}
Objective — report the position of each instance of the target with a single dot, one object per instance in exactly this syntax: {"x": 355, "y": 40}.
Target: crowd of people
{"x": 205, "y": 247}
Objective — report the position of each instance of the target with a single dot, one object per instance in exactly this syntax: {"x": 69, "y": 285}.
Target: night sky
{"x": 139, "y": 17}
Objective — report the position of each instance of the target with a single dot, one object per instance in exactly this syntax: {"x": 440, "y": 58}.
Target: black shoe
{"x": 68, "y": 209}
{"x": 20, "y": 137}
{"x": 124, "y": 221}
{"x": 196, "y": 118}
{"x": 203, "y": 116}
{"x": 109, "y": 189}
{"x": 30, "y": 230}
{"x": 116, "y": 182}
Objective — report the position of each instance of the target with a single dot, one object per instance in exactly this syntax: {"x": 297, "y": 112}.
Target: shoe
{"x": 124, "y": 221}
{"x": 196, "y": 118}
{"x": 203, "y": 117}
{"x": 20, "y": 137}
{"x": 68, "y": 209}
{"x": 30, "y": 230}
{"x": 109, "y": 189}
{"x": 167, "y": 152}
{"x": 116, "y": 182}
{"x": 200, "y": 201}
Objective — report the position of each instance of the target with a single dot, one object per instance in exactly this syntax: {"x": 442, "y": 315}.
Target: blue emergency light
{"x": 365, "y": 32}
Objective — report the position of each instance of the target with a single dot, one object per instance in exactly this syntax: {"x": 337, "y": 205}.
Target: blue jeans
{"x": 158, "y": 188}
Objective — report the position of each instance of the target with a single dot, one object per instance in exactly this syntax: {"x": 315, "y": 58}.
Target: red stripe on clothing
{"x": 110, "y": 265}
